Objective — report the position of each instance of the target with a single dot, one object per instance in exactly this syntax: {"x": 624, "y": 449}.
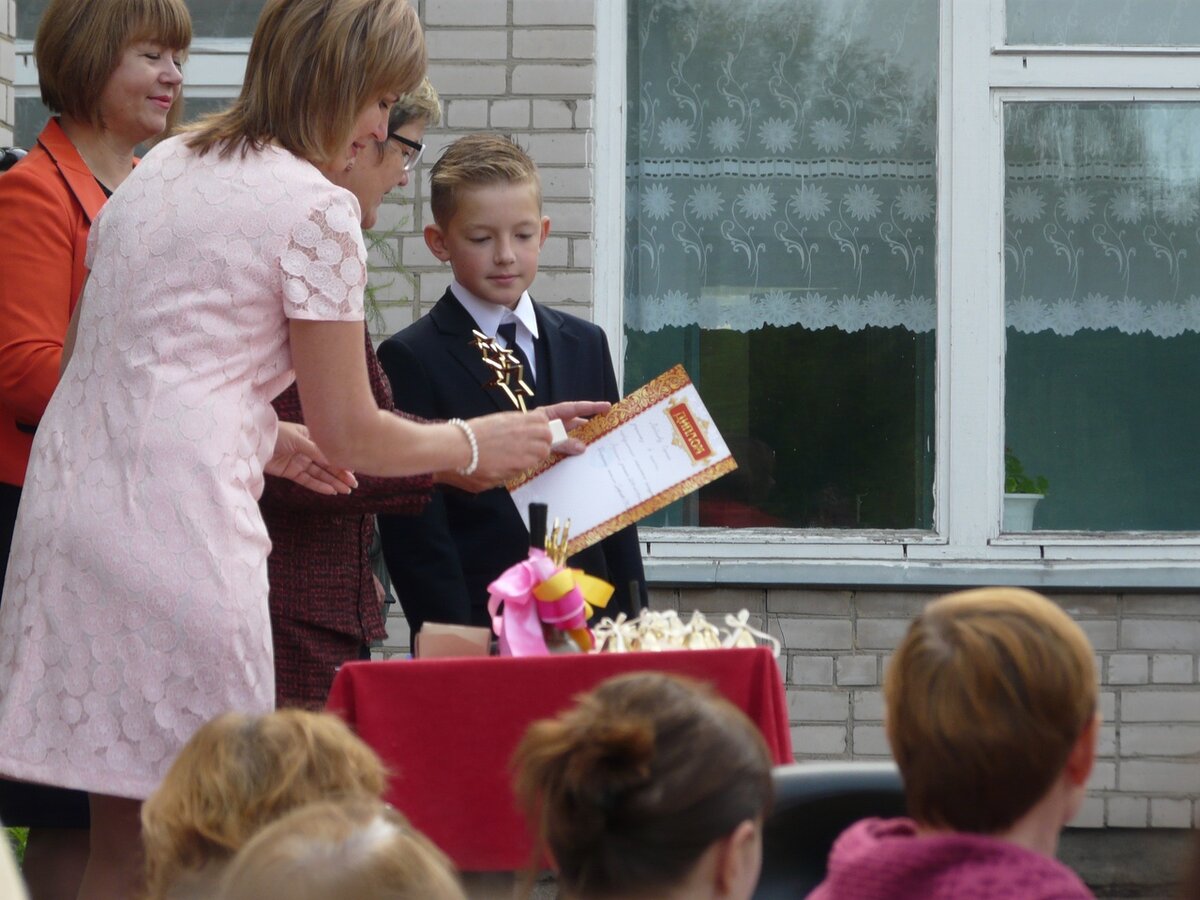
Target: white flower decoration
{"x": 862, "y": 202}
{"x": 915, "y": 204}
{"x": 705, "y": 202}
{"x": 1179, "y": 208}
{"x": 881, "y": 136}
{"x": 1026, "y": 205}
{"x": 829, "y": 135}
{"x": 1095, "y": 311}
{"x": 809, "y": 202}
{"x": 724, "y": 134}
{"x": 777, "y": 135}
{"x": 1127, "y": 205}
{"x": 675, "y": 135}
{"x": 814, "y": 311}
{"x": 926, "y": 132}
{"x": 1076, "y": 205}
{"x": 657, "y": 201}
{"x": 756, "y": 201}
{"x": 882, "y": 309}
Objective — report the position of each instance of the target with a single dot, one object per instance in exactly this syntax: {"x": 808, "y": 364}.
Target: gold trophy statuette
{"x": 507, "y": 372}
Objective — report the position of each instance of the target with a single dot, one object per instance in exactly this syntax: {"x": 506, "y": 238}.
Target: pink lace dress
{"x": 135, "y": 604}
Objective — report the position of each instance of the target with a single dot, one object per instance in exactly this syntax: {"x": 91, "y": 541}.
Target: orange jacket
{"x": 47, "y": 203}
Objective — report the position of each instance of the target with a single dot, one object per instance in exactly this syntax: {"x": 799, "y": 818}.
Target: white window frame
{"x": 977, "y": 75}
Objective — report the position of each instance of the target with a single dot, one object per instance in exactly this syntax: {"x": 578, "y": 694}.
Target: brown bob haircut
{"x": 239, "y": 772}
{"x": 474, "y": 161}
{"x": 313, "y": 66}
{"x": 628, "y": 788}
{"x": 333, "y": 850}
{"x": 79, "y": 43}
{"x": 986, "y": 696}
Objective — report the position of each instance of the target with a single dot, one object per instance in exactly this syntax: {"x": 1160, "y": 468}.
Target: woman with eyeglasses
{"x": 326, "y": 608}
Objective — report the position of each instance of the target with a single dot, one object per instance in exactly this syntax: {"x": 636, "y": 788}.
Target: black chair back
{"x": 9, "y": 157}
{"x": 814, "y": 803}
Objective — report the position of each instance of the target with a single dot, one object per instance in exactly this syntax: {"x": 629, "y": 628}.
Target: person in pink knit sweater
{"x": 992, "y": 719}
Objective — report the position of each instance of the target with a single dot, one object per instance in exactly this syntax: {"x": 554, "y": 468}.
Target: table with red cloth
{"x": 447, "y": 729}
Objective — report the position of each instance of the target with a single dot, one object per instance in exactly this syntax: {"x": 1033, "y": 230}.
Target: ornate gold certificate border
{"x": 640, "y": 401}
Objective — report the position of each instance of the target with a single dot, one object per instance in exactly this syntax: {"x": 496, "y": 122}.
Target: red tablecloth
{"x": 447, "y": 729}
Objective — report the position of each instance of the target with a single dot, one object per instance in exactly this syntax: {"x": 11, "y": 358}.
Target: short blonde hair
{"x": 423, "y": 103}
{"x": 629, "y": 788}
{"x": 478, "y": 160}
{"x": 986, "y": 696}
{"x": 313, "y": 67}
{"x": 239, "y": 772}
{"x": 328, "y": 851}
{"x": 78, "y": 46}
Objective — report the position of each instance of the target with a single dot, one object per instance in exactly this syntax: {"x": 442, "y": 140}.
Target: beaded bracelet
{"x": 469, "y": 468}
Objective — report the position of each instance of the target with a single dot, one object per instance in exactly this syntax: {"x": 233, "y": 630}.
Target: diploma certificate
{"x": 650, "y": 449}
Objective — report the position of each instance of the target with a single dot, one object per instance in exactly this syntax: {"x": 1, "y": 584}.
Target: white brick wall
{"x": 524, "y": 68}
{"x": 836, "y": 648}
{"x": 8, "y": 64}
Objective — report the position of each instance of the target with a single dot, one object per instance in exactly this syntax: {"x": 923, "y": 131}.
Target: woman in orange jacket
{"x": 110, "y": 69}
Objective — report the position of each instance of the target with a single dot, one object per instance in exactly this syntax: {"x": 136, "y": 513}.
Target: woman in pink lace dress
{"x": 135, "y": 604}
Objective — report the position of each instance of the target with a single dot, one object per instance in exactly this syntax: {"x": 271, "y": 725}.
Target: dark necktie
{"x": 508, "y": 331}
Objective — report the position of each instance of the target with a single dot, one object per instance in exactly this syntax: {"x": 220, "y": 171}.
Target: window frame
{"x": 965, "y": 545}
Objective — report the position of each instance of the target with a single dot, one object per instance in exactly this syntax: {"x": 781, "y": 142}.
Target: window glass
{"x": 1104, "y": 22}
{"x": 210, "y": 18}
{"x": 1102, "y": 294}
{"x": 780, "y": 243}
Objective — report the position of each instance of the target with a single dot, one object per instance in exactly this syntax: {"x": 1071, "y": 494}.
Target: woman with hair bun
{"x": 650, "y": 786}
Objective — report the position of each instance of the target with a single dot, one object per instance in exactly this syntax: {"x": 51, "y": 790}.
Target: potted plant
{"x": 1022, "y": 492}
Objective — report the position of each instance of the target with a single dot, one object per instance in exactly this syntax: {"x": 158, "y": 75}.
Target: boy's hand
{"x": 574, "y": 413}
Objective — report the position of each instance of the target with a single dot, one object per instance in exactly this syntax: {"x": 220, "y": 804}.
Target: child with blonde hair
{"x": 334, "y": 850}
{"x": 237, "y": 774}
{"x": 991, "y": 716}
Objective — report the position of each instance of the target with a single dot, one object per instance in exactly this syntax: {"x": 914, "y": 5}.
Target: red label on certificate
{"x": 689, "y": 431}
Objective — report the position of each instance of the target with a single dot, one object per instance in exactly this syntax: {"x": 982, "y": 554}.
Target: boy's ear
{"x": 545, "y": 231}
{"x": 435, "y": 240}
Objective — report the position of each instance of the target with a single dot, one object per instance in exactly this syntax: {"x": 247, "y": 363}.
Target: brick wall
{"x": 837, "y": 643}
{"x": 525, "y": 68}
{"x": 8, "y": 63}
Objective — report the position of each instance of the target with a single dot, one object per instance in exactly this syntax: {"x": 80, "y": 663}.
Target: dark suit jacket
{"x": 441, "y": 562}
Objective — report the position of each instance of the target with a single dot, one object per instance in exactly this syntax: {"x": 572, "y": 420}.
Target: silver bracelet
{"x": 469, "y": 468}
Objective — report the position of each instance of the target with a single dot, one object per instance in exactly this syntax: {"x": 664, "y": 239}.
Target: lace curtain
{"x": 1102, "y": 217}
{"x": 782, "y": 168}
{"x": 782, "y": 173}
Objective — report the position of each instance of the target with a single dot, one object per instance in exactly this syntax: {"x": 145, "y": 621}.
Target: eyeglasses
{"x": 412, "y": 151}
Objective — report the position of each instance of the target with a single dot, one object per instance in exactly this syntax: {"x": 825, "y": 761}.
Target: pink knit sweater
{"x": 884, "y": 859}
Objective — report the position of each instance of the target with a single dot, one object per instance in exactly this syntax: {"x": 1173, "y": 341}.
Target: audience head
{"x": 475, "y": 161}
{"x": 390, "y": 165}
{"x": 991, "y": 703}
{"x": 315, "y": 67}
{"x": 651, "y": 785}
{"x": 239, "y": 772}
{"x": 79, "y": 45}
{"x": 335, "y": 850}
